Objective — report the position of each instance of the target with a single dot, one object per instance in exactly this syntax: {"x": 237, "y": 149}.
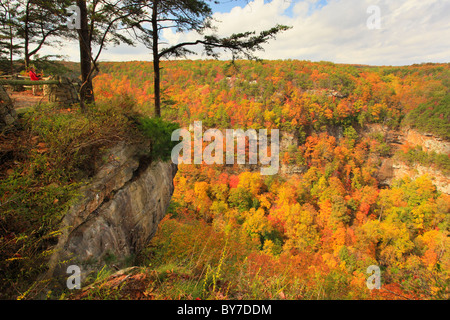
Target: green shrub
{"x": 351, "y": 135}
{"x": 417, "y": 155}
{"x": 160, "y": 133}
{"x": 57, "y": 151}
{"x": 241, "y": 199}
{"x": 432, "y": 117}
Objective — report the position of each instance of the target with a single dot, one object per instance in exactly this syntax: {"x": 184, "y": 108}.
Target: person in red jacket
{"x": 34, "y": 77}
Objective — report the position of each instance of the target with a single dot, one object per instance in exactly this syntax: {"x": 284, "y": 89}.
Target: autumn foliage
{"x": 311, "y": 234}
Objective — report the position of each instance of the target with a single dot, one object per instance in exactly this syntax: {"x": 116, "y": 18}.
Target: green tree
{"x": 185, "y": 16}
{"x": 38, "y": 22}
{"x": 241, "y": 199}
{"x": 8, "y": 32}
{"x": 101, "y": 23}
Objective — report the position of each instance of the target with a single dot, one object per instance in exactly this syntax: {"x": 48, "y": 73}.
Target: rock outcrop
{"x": 393, "y": 168}
{"x": 411, "y": 137}
{"x": 65, "y": 93}
{"x": 429, "y": 142}
{"x": 117, "y": 214}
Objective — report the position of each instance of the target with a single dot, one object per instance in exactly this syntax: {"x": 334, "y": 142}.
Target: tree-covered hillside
{"x": 232, "y": 233}
{"x": 290, "y": 95}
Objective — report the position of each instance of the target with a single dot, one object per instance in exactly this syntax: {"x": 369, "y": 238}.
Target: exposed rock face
{"x": 7, "y": 113}
{"x": 118, "y": 212}
{"x": 401, "y": 170}
{"x": 428, "y": 142}
{"x": 411, "y": 137}
{"x": 392, "y": 170}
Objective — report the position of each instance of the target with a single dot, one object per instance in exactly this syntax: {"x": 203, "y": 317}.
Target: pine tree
{"x": 191, "y": 15}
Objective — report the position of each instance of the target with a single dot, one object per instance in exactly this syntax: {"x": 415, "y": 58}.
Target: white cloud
{"x": 412, "y": 31}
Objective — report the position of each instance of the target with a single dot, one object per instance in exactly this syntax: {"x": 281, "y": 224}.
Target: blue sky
{"x": 227, "y": 5}
{"x": 374, "y": 32}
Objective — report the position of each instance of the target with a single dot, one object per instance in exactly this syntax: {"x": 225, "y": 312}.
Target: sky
{"x": 372, "y": 32}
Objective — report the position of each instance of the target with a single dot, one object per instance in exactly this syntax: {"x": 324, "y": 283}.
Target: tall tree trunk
{"x": 156, "y": 65}
{"x": 26, "y": 31}
{"x": 86, "y": 91}
{"x": 11, "y": 46}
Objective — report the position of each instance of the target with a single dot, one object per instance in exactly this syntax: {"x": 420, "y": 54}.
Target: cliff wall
{"x": 116, "y": 214}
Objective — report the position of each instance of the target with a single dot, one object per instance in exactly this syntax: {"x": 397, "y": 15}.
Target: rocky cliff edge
{"x": 117, "y": 212}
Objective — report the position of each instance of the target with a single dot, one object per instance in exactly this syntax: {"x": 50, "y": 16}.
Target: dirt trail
{"x": 25, "y": 99}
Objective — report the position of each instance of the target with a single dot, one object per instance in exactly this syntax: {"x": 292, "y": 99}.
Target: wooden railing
{"x": 15, "y": 82}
